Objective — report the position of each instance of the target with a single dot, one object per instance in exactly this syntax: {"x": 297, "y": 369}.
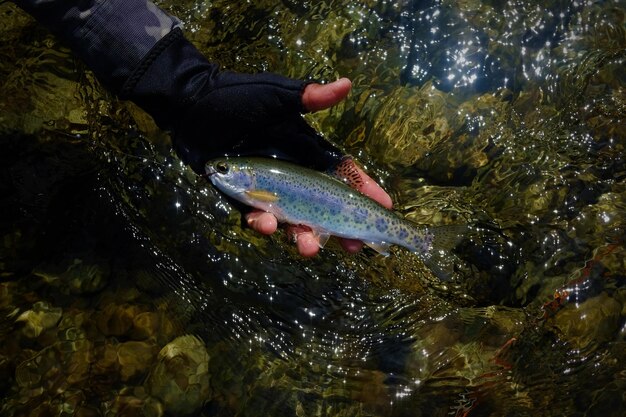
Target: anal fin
{"x": 323, "y": 238}
{"x": 380, "y": 247}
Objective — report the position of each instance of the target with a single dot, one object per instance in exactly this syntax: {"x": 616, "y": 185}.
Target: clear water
{"x": 129, "y": 286}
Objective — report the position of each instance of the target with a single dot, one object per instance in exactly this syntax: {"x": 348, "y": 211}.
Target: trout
{"x": 327, "y": 205}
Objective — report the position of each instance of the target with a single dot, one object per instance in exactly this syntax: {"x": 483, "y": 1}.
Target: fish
{"x": 327, "y": 205}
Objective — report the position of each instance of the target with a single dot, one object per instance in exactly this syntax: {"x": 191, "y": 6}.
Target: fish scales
{"x": 328, "y": 206}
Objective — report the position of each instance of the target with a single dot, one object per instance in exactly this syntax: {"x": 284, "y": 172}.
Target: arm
{"x": 139, "y": 52}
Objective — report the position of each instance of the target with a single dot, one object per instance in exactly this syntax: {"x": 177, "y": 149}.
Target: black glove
{"x": 213, "y": 113}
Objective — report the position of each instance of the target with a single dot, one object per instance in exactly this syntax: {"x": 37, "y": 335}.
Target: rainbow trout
{"x": 322, "y": 202}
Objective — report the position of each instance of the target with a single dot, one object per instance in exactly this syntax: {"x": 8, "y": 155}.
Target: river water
{"x": 129, "y": 286}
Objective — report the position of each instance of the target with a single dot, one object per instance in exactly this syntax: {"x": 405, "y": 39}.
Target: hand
{"x": 214, "y": 113}
{"x": 317, "y": 97}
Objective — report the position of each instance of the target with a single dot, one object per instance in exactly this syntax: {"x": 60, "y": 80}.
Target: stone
{"x": 180, "y": 379}
{"x": 42, "y": 317}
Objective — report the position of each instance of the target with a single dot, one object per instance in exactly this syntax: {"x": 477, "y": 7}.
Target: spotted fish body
{"x": 327, "y": 205}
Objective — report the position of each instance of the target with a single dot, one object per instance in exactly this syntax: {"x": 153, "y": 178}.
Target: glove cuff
{"x": 144, "y": 65}
{"x": 169, "y": 79}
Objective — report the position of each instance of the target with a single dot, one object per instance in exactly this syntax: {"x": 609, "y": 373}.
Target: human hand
{"x": 213, "y": 113}
{"x": 317, "y": 97}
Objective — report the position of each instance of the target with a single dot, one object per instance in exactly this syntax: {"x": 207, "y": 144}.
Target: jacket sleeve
{"x": 139, "y": 52}
{"x": 110, "y": 36}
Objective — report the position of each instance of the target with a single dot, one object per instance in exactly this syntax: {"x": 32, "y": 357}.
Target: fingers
{"x": 262, "y": 222}
{"x": 307, "y": 243}
{"x": 351, "y": 245}
{"x": 374, "y": 191}
{"x": 266, "y": 223}
{"x": 322, "y": 96}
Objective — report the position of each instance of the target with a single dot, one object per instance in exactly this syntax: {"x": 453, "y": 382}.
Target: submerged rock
{"x": 80, "y": 277}
{"x": 134, "y": 404}
{"x": 134, "y": 358}
{"x": 591, "y": 322}
{"x": 41, "y": 318}
{"x": 116, "y": 320}
{"x": 145, "y": 325}
{"x": 180, "y": 379}
{"x": 83, "y": 278}
{"x": 128, "y": 360}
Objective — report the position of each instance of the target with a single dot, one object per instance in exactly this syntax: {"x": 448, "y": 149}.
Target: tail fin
{"x": 441, "y": 259}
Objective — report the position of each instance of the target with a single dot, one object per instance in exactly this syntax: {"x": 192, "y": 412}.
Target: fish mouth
{"x": 209, "y": 171}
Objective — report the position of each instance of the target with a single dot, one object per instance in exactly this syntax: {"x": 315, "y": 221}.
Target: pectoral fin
{"x": 380, "y": 247}
{"x": 263, "y": 195}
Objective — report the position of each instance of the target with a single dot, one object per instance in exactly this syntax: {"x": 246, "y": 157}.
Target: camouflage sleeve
{"x": 110, "y": 36}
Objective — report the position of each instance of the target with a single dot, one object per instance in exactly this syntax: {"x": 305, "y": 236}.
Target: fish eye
{"x": 221, "y": 167}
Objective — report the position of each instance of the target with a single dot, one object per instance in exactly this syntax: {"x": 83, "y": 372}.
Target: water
{"x": 130, "y": 286}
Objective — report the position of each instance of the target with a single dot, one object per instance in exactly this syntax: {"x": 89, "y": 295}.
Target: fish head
{"x": 231, "y": 178}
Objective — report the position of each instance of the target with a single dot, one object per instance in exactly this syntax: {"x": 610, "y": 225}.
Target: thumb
{"x": 322, "y": 96}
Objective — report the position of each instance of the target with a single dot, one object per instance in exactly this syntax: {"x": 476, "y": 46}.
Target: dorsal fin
{"x": 347, "y": 172}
